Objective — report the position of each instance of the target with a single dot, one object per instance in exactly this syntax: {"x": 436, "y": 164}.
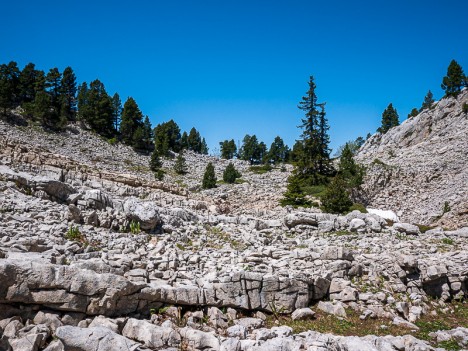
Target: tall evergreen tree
{"x": 204, "y": 147}
{"x": 294, "y": 196}
{"x": 44, "y": 111}
{"x": 184, "y": 141}
{"x": 314, "y": 161}
{"x": 350, "y": 172}
{"x": 53, "y": 86}
{"x": 95, "y": 108}
{"x": 9, "y": 86}
{"x": 414, "y": 112}
{"x": 194, "y": 141}
{"x": 251, "y": 150}
{"x": 68, "y": 94}
{"x": 455, "y": 79}
{"x": 167, "y": 138}
{"x": 428, "y": 101}
{"x": 180, "y": 166}
{"x": 389, "y": 119}
{"x": 209, "y": 178}
{"x": 337, "y": 197}
{"x": 228, "y": 149}
{"x": 132, "y": 118}
{"x": 279, "y": 152}
{"x": 156, "y": 165}
{"x": 27, "y": 83}
{"x": 116, "y": 110}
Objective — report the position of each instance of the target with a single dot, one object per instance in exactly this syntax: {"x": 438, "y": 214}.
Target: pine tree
{"x": 194, "y": 141}
{"x": 389, "y": 119}
{"x": 82, "y": 102}
{"x": 184, "y": 141}
{"x": 132, "y": 118}
{"x": 43, "y": 110}
{"x": 228, "y": 149}
{"x": 414, "y": 112}
{"x": 251, "y": 150}
{"x": 279, "y": 152}
{"x": 209, "y": 178}
{"x": 27, "y": 83}
{"x": 428, "y": 101}
{"x": 337, "y": 198}
{"x": 147, "y": 133}
{"x": 204, "y": 147}
{"x": 116, "y": 110}
{"x": 180, "y": 166}
{"x": 53, "y": 86}
{"x": 167, "y": 138}
{"x": 314, "y": 161}
{"x": 156, "y": 165}
{"x": 230, "y": 174}
{"x": 68, "y": 94}
{"x": 294, "y": 196}
{"x": 455, "y": 79}
{"x": 9, "y": 86}
{"x": 349, "y": 171}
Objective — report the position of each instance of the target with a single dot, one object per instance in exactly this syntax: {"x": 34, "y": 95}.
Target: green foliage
{"x": 350, "y": 172}
{"x": 230, "y": 174}
{"x": 414, "y": 112}
{"x": 260, "y": 169}
{"x": 204, "y": 147}
{"x": 449, "y": 345}
{"x": 279, "y": 152}
{"x": 228, "y": 149}
{"x": 448, "y": 241}
{"x": 74, "y": 234}
{"x": 9, "y": 86}
{"x": 155, "y": 165}
{"x": 167, "y": 138}
{"x": 465, "y": 108}
{"x": 359, "y": 207}
{"x": 95, "y": 108}
{"x": 68, "y": 94}
{"x": 294, "y": 196}
{"x": 428, "y": 101}
{"x": 194, "y": 141}
{"x": 131, "y": 124}
{"x": 134, "y": 227}
{"x": 354, "y": 145}
{"x": 116, "y": 110}
{"x": 337, "y": 197}
{"x": 251, "y": 150}
{"x": 180, "y": 166}
{"x": 455, "y": 79}
{"x": 313, "y": 153}
{"x": 446, "y": 208}
{"x": 209, "y": 178}
{"x": 389, "y": 119}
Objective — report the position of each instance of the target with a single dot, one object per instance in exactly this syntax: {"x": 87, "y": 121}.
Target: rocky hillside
{"x": 97, "y": 255}
{"x": 419, "y": 169}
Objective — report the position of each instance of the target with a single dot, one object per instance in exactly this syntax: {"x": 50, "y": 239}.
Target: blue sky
{"x": 236, "y": 67}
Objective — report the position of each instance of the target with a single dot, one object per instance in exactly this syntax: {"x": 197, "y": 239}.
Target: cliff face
{"x": 419, "y": 169}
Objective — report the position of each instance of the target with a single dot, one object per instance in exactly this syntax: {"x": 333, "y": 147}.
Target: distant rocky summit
{"x": 419, "y": 168}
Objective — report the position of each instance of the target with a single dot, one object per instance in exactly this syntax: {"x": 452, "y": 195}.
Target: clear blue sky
{"x": 236, "y": 67}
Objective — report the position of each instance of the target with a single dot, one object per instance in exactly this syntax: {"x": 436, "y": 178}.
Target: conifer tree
{"x": 294, "y": 196}
{"x": 156, "y": 165}
{"x": 82, "y": 102}
{"x": 43, "y": 110}
{"x": 167, "y": 137}
{"x": 95, "y": 108}
{"x": 230, "y": 173}
{"x": 68, "y": 94}
{"x": 455, "y": 79}
{"x": 184, "y": 141}
{"x": 279, "y": 152}
{"x": 27, "y": 83}
{"x": 414, "y": 112}
{"x": 194, "y": 141}
{"x": 389, "y": 119}
{"x": 204, "y": 147}
{"x": 180, "y": 166}
{"x": 428, "y": 101}
{"x": 252, "y": 150}
{"x": 132, "y": 118}
{"x": 349, "y": 171}
{"x": 228, "y": 149}
{"x": 337, "y": 197}
{"x": 9, "y": 86}
{"x": 209, "y": 178}
{"x": 116, "y": 110}
{"x": 53, "y": 86}
{"x": 314, "y": 161}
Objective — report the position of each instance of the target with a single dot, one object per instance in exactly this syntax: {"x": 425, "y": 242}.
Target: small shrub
{"x": 230, "y": 174}
{"x": 423, "y": 228}
{"x": 74, "y": 234}
{"x": 336, "y": 198}
{"x": 357, "y": 206}
{"x": 465, "y": 107}
{"x": 112, "y": 141}
{"x": 261, "y": 169}
{"x": 180, "y": 166}
{"x": 446, "y": 208}
{"x": 135, "y": 227}
{"x": 209, "y": 178}
{"x": 447, "y": 241}
{"x": 283, "y": 169}
{"x": 159, "y": 174}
